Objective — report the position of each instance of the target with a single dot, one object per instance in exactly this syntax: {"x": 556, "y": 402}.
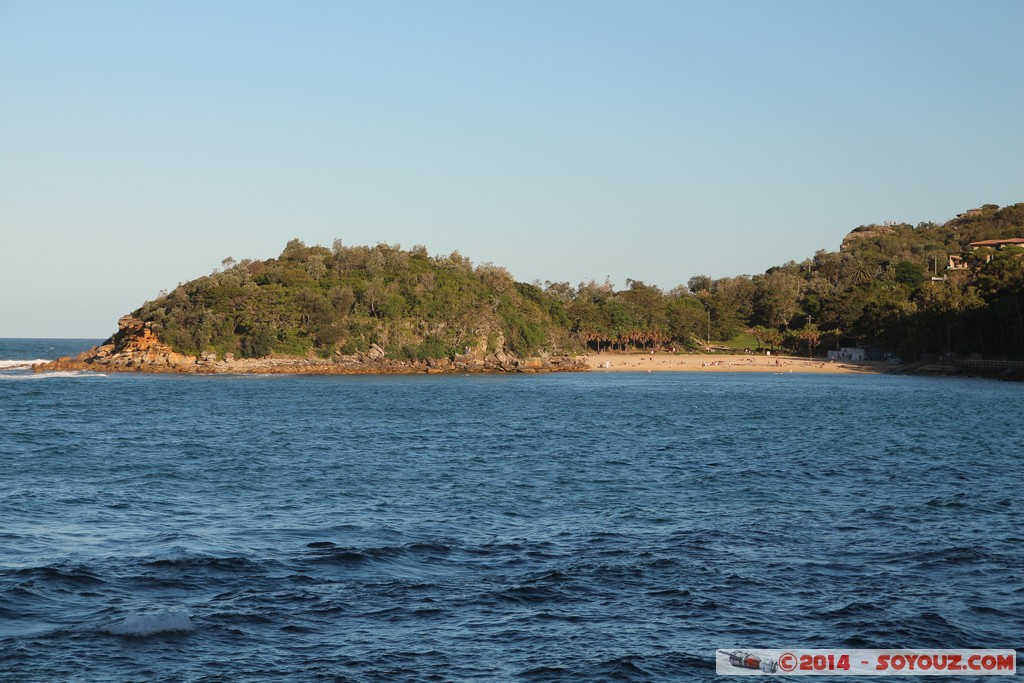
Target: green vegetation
{"x": 314, "y": 300}
{"x": 741, "y": 342}
{"x": 887, "y": 286}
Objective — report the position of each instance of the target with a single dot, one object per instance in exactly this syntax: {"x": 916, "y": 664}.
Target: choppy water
{"x": 497, "y": 528}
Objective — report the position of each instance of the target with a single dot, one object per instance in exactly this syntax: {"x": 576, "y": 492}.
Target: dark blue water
{"x": 498, "y": 528}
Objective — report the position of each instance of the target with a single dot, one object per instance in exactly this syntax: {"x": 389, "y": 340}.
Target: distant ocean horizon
{"x": 570, "y": 527}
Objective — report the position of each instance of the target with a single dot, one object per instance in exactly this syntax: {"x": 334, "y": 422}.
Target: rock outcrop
{"x": 865, "y": 233}
{"x": 136, "y": 347}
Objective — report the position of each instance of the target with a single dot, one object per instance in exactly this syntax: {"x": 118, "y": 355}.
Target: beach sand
{"x": 669, "y": 362}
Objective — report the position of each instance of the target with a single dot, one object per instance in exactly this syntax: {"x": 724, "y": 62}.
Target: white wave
{"x": 45, "y": 375}
{"x": 167, "y": 621}
{"x": 8, "y": 364}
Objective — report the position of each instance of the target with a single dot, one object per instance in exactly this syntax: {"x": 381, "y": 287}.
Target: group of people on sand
{"x": 722, "y": 363}
{"x": 649, "y": 362}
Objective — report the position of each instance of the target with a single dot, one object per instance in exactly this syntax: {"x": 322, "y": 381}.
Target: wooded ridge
{"x": 912, "y": 290}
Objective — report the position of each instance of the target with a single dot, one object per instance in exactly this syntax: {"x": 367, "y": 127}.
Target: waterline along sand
{"x": 670, "y": 362}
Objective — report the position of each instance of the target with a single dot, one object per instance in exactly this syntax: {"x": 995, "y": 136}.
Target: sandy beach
{"x": 669, "y": 362}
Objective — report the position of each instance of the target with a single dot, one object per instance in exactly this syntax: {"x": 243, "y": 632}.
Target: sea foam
{"x": 8, "y": 364}
{"x": 167, "y": 621}
{"x": 19, "y": 375}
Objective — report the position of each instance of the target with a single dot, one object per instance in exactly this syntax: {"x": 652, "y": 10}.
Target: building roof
{"x": 999, "y": 243}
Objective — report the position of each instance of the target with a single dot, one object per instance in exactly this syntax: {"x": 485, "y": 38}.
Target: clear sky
{"x": 141, "y": 143}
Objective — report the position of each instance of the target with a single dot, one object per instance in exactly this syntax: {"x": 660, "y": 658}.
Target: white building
{"x": 846, "y": 353}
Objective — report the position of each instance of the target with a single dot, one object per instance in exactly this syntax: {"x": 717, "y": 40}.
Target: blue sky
{"x": 143, "y": 143}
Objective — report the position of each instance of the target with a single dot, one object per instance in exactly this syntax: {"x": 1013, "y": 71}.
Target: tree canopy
{"x": 887, "y": 285}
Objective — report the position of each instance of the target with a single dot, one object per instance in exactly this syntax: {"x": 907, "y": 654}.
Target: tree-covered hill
{"x": 891, "y": 286}
{"x": 345, "y": 299}
{"x": 888, "y": 286}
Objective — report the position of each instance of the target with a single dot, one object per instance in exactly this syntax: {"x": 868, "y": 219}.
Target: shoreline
{"x": 137, "y": 348}
{"x": 596, "y": 363}
{"x": 670, "y": 362}
{"x": 362, "y": 365}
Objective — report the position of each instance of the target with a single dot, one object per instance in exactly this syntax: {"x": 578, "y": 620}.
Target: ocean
{"x": 570, "y": 527}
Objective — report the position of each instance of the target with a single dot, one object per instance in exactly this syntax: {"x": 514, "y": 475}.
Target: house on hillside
{"x": 959, "y": 262}
{"x": 997, "y": 244}
{"x": 956, "y": 262}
